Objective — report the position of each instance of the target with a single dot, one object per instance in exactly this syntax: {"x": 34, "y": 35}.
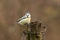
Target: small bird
{"x": 25, "y": 19}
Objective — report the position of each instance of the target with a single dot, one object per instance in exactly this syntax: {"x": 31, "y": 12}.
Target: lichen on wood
{"x": 35, "y": 31}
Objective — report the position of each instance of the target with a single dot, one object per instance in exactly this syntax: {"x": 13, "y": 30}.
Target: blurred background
{"x": 48, "y": 11}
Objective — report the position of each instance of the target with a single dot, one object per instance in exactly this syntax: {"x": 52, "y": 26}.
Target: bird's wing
{"x": 21, "y": 18}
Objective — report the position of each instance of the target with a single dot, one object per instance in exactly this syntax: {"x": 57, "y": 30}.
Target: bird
{"x": 25, "y": 19}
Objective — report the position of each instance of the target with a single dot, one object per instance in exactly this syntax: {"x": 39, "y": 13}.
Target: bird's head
{"x": 28, "y": 14}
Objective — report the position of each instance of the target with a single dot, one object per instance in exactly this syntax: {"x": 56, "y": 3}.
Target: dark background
{"x": 48, "y": 11}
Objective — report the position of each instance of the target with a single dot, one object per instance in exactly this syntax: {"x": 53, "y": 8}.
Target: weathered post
{"x": 35, "y": 31}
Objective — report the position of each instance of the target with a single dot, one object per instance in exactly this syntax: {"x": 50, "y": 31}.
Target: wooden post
{"x": 34, "y": 31}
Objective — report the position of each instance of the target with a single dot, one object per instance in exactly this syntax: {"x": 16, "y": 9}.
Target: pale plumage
{"x": 25, "y": 19}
